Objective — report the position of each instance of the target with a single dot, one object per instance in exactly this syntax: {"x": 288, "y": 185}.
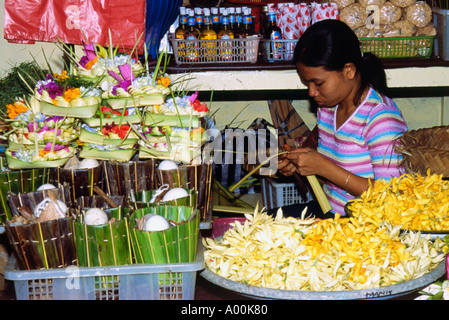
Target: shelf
{"x": 401, "y": 73}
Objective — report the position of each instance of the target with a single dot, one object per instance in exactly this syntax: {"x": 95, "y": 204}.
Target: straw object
{"x": 425, "y": 149}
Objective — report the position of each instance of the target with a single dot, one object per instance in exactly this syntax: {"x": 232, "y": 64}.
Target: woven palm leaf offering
{"x": 81, "y": 175}
{"x": 65, "y": 95}
{"x": 194, "y": 176}
{"x": 37, "y": 140}
{"x": 102, "y": 237}
{"x": 299, "y": 256}
{"x": 108, "y": 142}
{"x": 423, "y": 149}
{"x": 124, "y": 178}
{"x": 18, "y": 181}
{"x": 97, "y": 61}
{"x": 164, "y": 234}
{"x": 175, "y": 129}
{"x": 411, "y": 201}
{"x": 39, "y": 231}
{"x": 28, "y": 126}
{"x": 149, "y": 88}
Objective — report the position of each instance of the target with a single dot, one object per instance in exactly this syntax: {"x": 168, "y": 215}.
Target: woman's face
{"x": 327, "y": 88}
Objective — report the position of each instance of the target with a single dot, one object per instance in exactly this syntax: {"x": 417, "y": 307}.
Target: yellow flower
{"x": 63, "y": 76}
{"x": 13, "y": 110}
{"x": 71, "y": 94}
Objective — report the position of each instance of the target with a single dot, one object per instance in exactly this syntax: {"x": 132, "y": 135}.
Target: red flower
{"x": 121, "y": 131}
{"x": 197, "y": 106}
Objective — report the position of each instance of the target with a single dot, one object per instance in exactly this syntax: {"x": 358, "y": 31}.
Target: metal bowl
{"x": 387, "y": 292}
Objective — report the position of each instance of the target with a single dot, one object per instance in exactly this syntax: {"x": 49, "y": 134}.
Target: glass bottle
{"x": 215, "y": 17}
{"x": 247, "y": 28}
{"x": 191, "y": 36}
{"x": 238, "y": 20}
{"x": 209, "y": 47}
{"x": 232, "y": 21}
{"x": 274, "y": 34}
{"x": 180, "y": 31}
{"x": 225, "y": 35}
{"x": 199, "y": 19}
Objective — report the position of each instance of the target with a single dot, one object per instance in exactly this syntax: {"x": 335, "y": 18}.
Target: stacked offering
{"x": 110, "y": 121}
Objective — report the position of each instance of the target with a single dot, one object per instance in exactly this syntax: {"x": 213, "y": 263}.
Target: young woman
{"x": 357, "y": 122}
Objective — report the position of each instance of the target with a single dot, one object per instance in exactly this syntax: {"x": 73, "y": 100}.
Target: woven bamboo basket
{"x": 82, "y": 181}
{"x": 103, "y": 245}
{"x": 18, "y": 181}
{"x": 41, "y": 245}
{"x": 123, "y": 177}
{"x": 196, "y": 177}
{"x": 425, "y": 149}
{"x": 177, "y": 244}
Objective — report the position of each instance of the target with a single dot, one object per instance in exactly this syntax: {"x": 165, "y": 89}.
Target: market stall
{"x": 109, "y": 167}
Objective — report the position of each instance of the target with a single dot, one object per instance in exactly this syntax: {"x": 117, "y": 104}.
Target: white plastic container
{"x": 174, "y": 281}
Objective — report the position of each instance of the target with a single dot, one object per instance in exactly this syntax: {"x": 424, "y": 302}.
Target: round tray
{"x": 433, "y": 234}
{"x": 387, "y": 292}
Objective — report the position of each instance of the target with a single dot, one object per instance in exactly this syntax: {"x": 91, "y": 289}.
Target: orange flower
{"x": 61, "y": 77}
{"x": 165, "y": 81}
{"x": 13, "y": 110}
{"x": 89, "y": 64}
{"x": 43, "y": 152}
{"x": 71, "y": 94}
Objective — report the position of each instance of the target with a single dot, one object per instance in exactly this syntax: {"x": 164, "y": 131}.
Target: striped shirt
{"x": 363, "y": 144}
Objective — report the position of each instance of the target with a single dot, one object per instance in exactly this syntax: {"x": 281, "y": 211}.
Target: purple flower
{"x": 193, "y": 97}
{"x": 57, "y": 147}
{"x": 83, "y": 61}
{"x": 124, "y": 80}
{"x": 90, "y": 54}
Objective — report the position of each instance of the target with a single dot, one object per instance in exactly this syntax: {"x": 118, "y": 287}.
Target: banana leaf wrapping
{"x": 194, "y": 176}
{"x": 142, "y": 199}
{"x": 103, "y": 245}
{"x": 18, "y": 181}
{"x": 177, "y": 244}
{"x": 122, "y": 178}
{"x": 41, "y": 245}
{"x": 81, "y": 181}
{"x": 32, "y": 199}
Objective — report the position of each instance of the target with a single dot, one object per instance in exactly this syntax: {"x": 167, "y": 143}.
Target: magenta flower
{"x": 57, "y": 147}
{"x": 90, "y": 54}
{"x": 193, "y": 97}
{"x": 124, "y": 80}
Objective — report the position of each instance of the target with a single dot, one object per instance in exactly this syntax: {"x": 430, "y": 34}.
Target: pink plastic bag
{"x": 67, "y": 20}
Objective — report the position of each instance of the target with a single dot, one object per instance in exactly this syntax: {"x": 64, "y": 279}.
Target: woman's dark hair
{"x": 331, "y": 44}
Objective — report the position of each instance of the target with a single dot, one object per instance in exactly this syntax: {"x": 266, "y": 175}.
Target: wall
{"x": 419, "y": 112}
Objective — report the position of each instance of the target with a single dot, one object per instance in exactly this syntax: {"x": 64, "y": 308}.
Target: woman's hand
{"x": 285, "y": 167}
{"x": 306, "y": 161}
